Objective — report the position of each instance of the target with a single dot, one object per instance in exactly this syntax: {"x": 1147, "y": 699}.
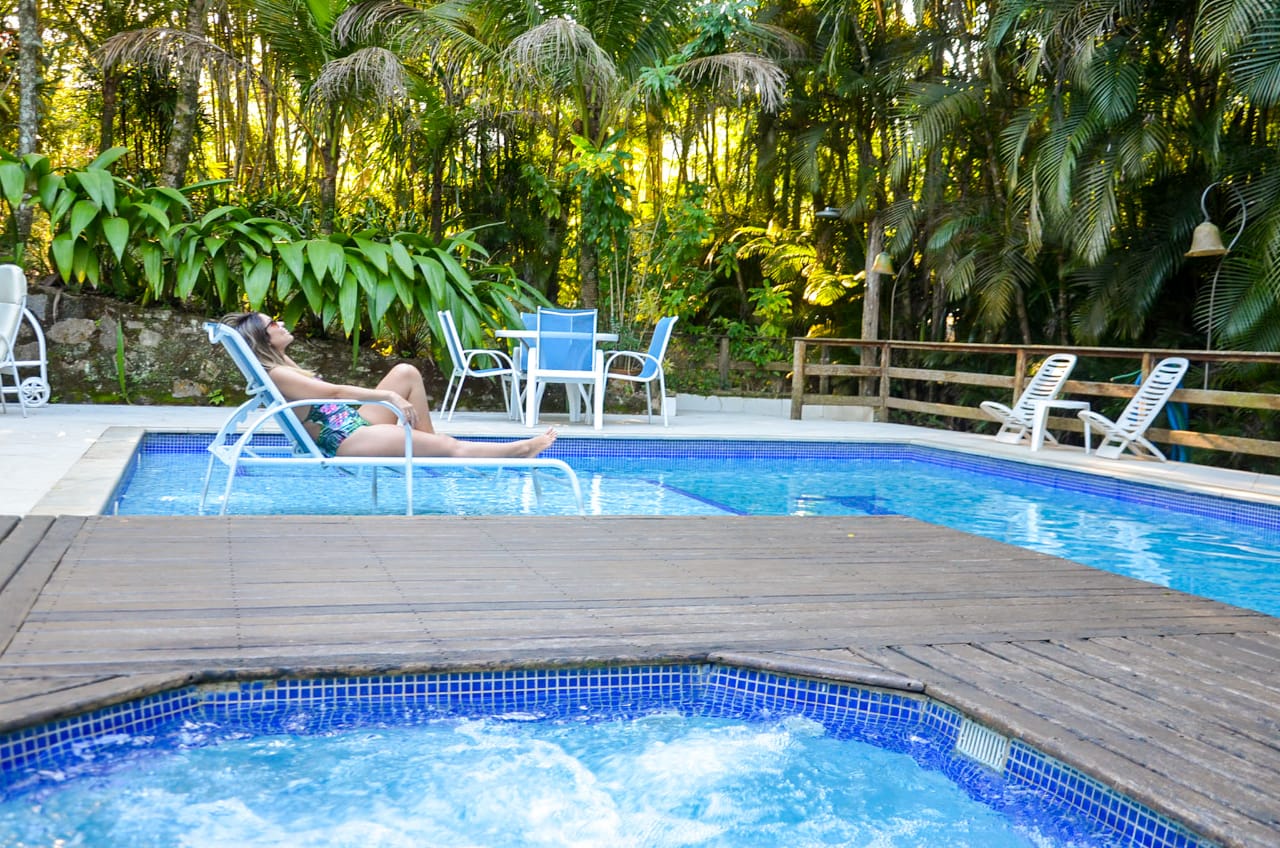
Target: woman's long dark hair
{"x": 252, "y": 327}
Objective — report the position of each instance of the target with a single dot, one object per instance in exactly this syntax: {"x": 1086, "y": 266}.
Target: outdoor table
{"x": 1041, "y": 417}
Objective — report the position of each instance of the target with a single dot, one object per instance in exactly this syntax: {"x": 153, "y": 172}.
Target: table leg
{"x": 1037, "y": 427}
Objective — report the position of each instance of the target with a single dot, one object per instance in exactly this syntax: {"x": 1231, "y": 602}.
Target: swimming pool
{"x": 700, "y": 754}
{"x": 1217, "y": 548}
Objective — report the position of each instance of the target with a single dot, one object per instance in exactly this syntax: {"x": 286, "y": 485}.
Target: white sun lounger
{"x": 266, "y": 405}
{"x": 1126, "y": 432}
{"x": 1018, "y": 421}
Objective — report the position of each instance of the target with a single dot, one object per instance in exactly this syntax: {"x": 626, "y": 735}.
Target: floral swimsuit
{"x": 337, "y": 421}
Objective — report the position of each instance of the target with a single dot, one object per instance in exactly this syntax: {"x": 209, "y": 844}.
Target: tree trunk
{"x": 330, "y": 150}
{"x": 187, "y": 107}
{"x": 588, "y": 271}
{"x": 30, "y": 80}
{"x": 110, "y": 105}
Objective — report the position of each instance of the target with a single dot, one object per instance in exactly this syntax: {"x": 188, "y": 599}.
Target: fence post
{"x": 882, "y": 414}
{"x": 797, "y": 379}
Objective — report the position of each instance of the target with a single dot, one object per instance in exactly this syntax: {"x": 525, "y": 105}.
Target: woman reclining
{"x": 340, "y": 429}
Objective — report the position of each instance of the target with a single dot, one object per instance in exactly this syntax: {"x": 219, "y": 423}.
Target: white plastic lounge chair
{"x": 13, "y": 300}
{"x": 1126, "y": 432}
{"x": 464, "y": 366}
{"x": 650, "y": 366}
{"x": 564, "y": 350}
{"x": 234, "y": 448}
{"x": 1048, "y": 381}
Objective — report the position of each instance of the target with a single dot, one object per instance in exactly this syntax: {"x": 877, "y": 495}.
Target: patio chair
{"x": 1126, "y": 431}
{"x": 464, "y": 366}
{"x": 13, "y": 300}
{"x": 564, "y": 351}
{"x": 234, "y": 445}
{"x": 650, "y": 367}
{"x": 1017, "y": 421}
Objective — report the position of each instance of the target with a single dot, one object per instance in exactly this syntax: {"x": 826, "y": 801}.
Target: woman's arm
{"x": 295, "y": 385}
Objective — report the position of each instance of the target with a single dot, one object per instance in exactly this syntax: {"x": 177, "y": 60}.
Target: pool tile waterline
{"x": 703, "y": 450}
{"x": 718, "y": 690}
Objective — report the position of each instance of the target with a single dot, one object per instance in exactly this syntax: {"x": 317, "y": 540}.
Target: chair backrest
{"x": 566, "y": 340}
{"x": 658, "y": 346}
{"x": 260, "y": 386}
{"x": 1046, "y": 384}
{"x": 13, "y": 299}
{"x": 451, "y": 338}
{"x": 1152, "y": 395}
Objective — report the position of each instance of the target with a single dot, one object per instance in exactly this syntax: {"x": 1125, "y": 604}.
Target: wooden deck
{"x": 1171, "y": 699}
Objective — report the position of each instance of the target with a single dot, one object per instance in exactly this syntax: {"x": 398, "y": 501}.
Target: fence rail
{"x": 891, "y": 377}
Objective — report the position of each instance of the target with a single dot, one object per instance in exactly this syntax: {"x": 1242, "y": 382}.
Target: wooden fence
{"x": 897, "y": 376}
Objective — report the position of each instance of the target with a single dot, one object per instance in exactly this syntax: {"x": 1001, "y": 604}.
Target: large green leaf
{"x": 348, "y": 302}
{"x": 13, "y": 182}
{"x": 100, "y": 186}
{"x": 375, "y": 252}
{"x": 258, "y": 282}
{"x": 116, "y": 232}
{"x": 402, "y": 258}
{"x": 48, "y": 188}
{"x": 63, "y": 249}
{"x": 321, "y": 254}
{"x": 108, "y": 157}
{"x": 153, "y": 266}
{"x": 291, "y": 253}
{"x": 82, "y": 215}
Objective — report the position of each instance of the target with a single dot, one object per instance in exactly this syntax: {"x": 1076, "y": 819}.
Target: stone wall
{"x": 167, "y": 358}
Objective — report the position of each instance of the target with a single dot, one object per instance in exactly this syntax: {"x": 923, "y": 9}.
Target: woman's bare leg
{"x": 406, "y": 381}
{"x": 388, "y": 440}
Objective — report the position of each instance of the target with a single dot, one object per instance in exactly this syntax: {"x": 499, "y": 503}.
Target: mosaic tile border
{"x": 718, "y": 689}
{"x": 1175, "y": 500}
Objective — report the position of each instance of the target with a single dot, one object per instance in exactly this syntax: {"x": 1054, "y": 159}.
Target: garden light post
{"x": 1207, "y": 241}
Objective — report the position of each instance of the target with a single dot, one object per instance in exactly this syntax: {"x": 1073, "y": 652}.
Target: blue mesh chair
{"x": 650, "y": 366}
{"x": 564, "y": 351}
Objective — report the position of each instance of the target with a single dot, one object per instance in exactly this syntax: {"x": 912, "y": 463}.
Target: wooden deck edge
{"x": 836, "y": 671}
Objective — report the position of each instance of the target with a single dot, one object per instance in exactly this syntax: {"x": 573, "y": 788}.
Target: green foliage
{"x": 148, "y": 242}
{"x": 23, "y": 179}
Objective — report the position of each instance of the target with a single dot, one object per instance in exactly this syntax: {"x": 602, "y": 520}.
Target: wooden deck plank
{"x": 1171, "y": 699}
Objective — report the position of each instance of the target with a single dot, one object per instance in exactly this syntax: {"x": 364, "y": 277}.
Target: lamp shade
{"x": 1207, "y": 241}
{"x": 883, "y": 264}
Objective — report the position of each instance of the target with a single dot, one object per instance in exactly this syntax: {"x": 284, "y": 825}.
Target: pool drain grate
{"x": 982, "y": 744}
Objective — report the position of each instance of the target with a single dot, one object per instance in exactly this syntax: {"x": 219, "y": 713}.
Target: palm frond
{"x": 1222, "y": 26}
{"x": 369, "y": 74}
{"x": 163, "y": 49}
{"x": 559, "y": 53}
{"x": 741, "y": 75}
{"x": 1256, "y": 67}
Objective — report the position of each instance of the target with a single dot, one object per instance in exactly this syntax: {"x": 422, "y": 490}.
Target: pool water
{"x": 614, "y": 768}
{"x": 1211, "y": 547}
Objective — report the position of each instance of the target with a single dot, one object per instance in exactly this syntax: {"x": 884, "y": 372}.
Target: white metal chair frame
{"x": 542, "y": 369}
{"x": 1127, "y": 431}
{"x": 1019, "y": 420}
{"x": 650, "y": 364}
{"x": 464, "y": 366}
{"x": 233, "y": 445}
{"x": 32, "y": 391}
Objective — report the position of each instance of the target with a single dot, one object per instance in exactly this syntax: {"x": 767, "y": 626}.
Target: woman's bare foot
{"x": 536, "y": 445}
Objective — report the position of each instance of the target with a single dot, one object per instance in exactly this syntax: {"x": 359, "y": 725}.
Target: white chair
{"x": 650, "y": 365}
{"x": 564, "y": 351}
{"x": 1017, "y": 421}
{"x": 13, "y": 302}
{"x": 464, "y": 366}
{"x": 1126, "y": 431}
{"x": 234, "y": 446}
